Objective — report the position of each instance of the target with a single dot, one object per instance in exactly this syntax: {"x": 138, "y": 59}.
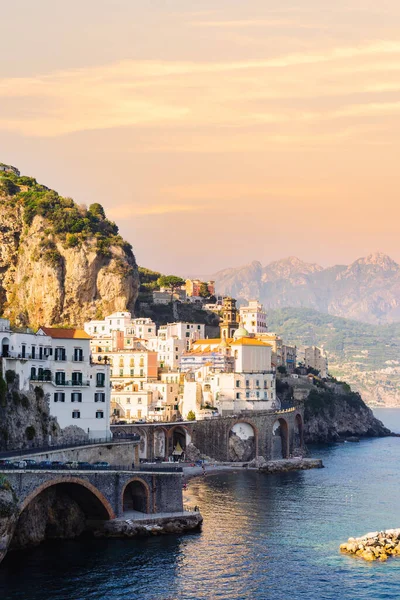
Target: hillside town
{"x": 122, "y": 369}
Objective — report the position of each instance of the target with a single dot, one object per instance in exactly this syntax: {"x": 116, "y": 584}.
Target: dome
{"x": 240, "y": 333}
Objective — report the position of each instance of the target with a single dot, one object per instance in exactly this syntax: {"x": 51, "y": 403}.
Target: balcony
{"x": 65, "y": 383}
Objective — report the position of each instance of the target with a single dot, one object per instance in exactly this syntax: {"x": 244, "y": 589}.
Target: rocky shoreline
{"x": 378, "y": 545}
{"x": 129, "y": 528}
{"x": 291, "y": 464}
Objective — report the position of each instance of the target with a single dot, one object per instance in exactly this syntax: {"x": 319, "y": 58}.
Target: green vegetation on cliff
{"x": 67, "y": 220}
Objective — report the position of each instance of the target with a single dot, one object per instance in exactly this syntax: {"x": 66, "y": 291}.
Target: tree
{"x": 282, "y": 370}
{"x": 191, "y": 416}
{"x": 203, "y": 291}
{"x": 171, "y": 282}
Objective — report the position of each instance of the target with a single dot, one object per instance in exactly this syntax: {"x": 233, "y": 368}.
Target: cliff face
{"x": 59, "y": 263}
{"x": 330, "y": 417}
{"x": 8, "y": 516}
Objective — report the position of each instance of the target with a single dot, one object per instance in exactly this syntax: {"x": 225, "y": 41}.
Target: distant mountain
{"x": 366, "y": 356}
{"x": 367, "y": 290}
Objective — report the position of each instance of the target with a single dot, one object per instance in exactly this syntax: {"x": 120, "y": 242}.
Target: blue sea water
{"x": 264, "y": 536}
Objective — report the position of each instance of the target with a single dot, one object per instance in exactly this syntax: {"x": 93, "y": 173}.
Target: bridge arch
{"x": 178, "y": 436}
{"x": 280, "y": 439}
{"x": 135, "y": 496}
{"x": 242, "y": 441}
{"x": 92, "y": 498}
{"x": 298, "y": 440}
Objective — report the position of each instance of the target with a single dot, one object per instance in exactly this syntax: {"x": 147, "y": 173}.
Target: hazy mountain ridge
{"x": 367, "y": 290}
{"x": 364, "y": 355}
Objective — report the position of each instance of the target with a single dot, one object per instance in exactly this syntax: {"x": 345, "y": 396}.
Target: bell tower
{"x": 229, "y": 318}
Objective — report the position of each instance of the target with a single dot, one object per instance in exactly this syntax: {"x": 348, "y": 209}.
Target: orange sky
{"x": 213, "y": 133}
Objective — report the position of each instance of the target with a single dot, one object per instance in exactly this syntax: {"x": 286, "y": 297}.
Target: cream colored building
{"x": 253, "y": 317}
{"x": 316, "y": 358}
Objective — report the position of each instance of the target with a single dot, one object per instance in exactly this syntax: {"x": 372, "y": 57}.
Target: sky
{"x": 213, "y": 133}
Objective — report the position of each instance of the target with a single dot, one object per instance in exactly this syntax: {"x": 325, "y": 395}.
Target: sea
{"x": 264, "y": 537}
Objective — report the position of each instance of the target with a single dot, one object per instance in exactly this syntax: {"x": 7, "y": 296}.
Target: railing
{"x": 13, "y": 355}
{"x": 63, "y": 383}
{"x": 64, "y": 446}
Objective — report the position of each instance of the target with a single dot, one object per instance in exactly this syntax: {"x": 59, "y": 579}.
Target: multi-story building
{"x": 316, "y": 358}
{"x": 249, "y": 384}
{"x": 59, "y": 361}
{"x": 193, "y": 287}
{"x": 253, "y": 317}
{"x": 289, "y": 357}
{"x": 121, "y": 321}
{"x": 276, "y": 343}
{"x": 183, "y": 331}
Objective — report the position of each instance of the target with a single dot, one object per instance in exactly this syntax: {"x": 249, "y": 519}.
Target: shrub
{"x": 8, "y": 187}
{"x": 282, "y": 370}
{"x": 191, "y": 416}
{"x": 16, "y": 398}
{"x": 30, "y": 432}
{"x": 24, "y": 401}
{"x": 3, "y": 392}
{"x": 39, "y": 393}
{"x": 10, "y": 376}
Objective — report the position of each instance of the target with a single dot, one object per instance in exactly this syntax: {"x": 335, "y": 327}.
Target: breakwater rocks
{"x": 128, "y": 528}
{"x": 291, "y": 464}
{"x": 374, "y": 546}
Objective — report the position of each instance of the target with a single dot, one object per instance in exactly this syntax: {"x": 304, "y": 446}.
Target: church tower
{"x": 229, "y": 318}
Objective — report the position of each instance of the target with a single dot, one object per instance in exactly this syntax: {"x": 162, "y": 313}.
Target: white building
{"x": 250, "y": 386}
{"x": 183, "y": 331}
{"x": 142, "y": 328}
{"x": 59, "y": 361}
{"x": 254, "y": 317}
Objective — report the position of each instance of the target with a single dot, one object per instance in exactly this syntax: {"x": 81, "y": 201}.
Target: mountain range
{"x": 367, "y": 290}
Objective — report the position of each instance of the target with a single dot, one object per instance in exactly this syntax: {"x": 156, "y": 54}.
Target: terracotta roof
{"x": 65, "y": 334}
{"x": 245, "y": 341}
{"x": 211, "y": 341}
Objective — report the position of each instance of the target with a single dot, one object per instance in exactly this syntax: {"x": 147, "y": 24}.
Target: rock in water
{"x": 378, "y": 545}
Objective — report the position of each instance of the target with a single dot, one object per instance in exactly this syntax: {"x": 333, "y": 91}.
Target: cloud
{"x": 210, "y": 95}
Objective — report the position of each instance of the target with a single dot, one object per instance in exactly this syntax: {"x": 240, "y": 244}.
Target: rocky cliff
{"x": 59, "y": 263}
{"x": 331, "y": 417}
{"x": 8, "y": 515}
{"x": 25, "y": 418}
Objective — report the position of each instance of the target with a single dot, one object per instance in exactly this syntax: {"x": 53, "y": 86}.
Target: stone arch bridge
{"x": 271, "y": 434}
{"x": 102, "y": 495}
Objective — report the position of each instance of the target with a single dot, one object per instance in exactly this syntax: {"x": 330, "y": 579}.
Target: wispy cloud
{"x": 228, "y": 94}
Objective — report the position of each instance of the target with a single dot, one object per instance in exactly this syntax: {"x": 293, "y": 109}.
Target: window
{"x": 188, "y": 334}
{"x": 247, "y": 394}
{"x": 132, "y": 362}
{"x": 76, "y": 414}
{"x": 132, "y": 372}
{"x": 100, "y": 379}
{"x": 128, "y": 400}
{"x": 139, "y": 401}
{"x": 23, "y": 351}
{"x": 247, "y": 383}
{"x": 60, "y": 378}
{"x": 257, "y": 394}
{"x": 76, "y": 397}
{"x": 33, "y": 351}
{"x": 78, "y": 354}
{"x": 33, "y": 373}
{"x": 59, "y": 397}
{"x": 141, "y": 373}
{"x": 139, "y": 414}
{"x": 237, "y": 382}
{"x": 266, "y": 395}
{"x": 257, "y": 383}
{"x": 59, "y": 354}
{"x": 128, "y": 341}
{"x": 238, "y": 396}
{"x": 77, "y": 378}
{"x": 128, "y": 414}
{"x": 99, "y": 397}
{"x": 121, "y": 372}
{"x": 265, "y": 385}
{"x": 99, "y": 414}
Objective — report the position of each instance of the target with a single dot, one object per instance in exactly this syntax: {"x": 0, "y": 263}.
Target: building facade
{"x": 59, "y": 361}
{"x": 253, "y": 317}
